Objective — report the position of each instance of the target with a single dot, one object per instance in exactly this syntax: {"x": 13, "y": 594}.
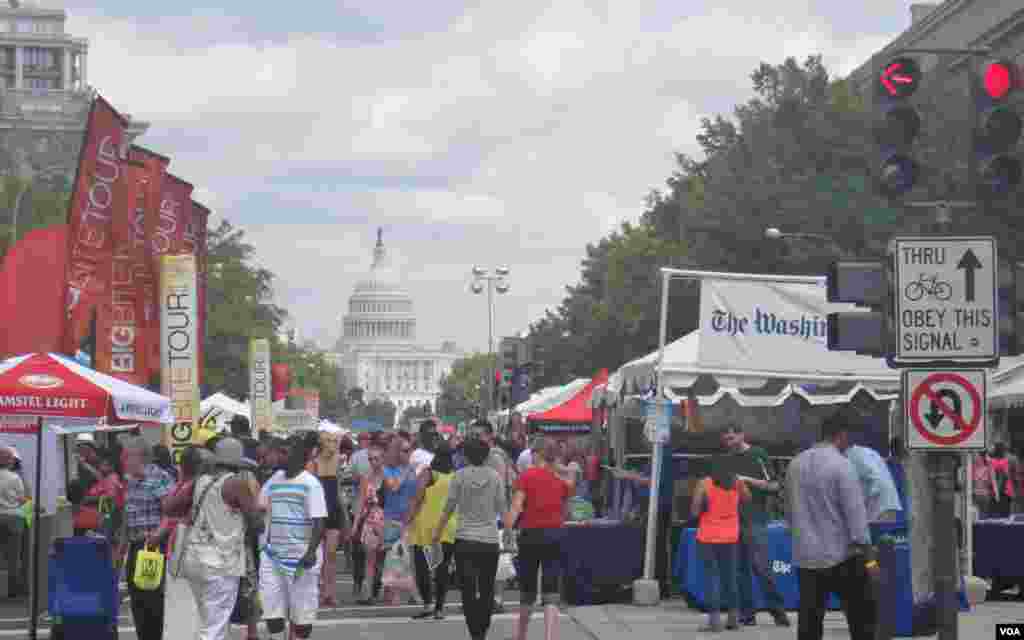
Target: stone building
{"x": 378, "y": 351}
{"x": 44, "y": 96}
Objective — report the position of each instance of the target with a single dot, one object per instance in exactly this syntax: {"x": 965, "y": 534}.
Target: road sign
{"x": 946, "y": 300}
{"x": 945, "y": 410}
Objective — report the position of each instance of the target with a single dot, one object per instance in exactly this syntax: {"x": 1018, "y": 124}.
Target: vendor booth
{"x": 757, "y": 360}
{"x": 43, "y": 399}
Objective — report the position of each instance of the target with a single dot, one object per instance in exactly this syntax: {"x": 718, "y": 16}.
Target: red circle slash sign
{"x": 964, "y": 428}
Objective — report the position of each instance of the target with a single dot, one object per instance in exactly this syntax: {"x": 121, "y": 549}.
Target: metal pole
{"x": 657, "y": 462}
{"x": 33, "y": 623}
{"x": 490, "y": 346}
{"x": 967, "y": 554}
{"x": 944, "y": 550}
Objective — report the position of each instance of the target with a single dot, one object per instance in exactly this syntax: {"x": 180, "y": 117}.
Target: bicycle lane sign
{"x": 946, "y": 299}
{"x": 945, "y": 409}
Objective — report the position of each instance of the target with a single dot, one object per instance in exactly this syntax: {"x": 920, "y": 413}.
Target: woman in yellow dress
{"x": 425, "y": 516}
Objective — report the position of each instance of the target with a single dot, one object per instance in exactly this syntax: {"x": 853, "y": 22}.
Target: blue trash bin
{"x": 896, "y": 606}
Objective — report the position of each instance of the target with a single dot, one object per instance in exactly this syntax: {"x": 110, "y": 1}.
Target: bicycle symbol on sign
{"x": 930, "y": 286}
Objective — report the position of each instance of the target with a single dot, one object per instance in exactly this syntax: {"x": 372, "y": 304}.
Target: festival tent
{"x": 551, "y": 397}
{"x": 60, "y": 395}
{"x": 224, "y": 404}
{"x": 573, "y": 415}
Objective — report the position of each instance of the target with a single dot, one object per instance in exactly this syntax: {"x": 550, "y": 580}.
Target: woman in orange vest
{"x": 716, "y": 502}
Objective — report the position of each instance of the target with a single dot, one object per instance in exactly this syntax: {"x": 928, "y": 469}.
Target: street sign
{"x": 946, "y": 300}
{"x": 945, "y": 410}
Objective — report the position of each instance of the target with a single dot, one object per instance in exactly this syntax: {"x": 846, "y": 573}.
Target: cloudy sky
{"x": 474, "y": 133}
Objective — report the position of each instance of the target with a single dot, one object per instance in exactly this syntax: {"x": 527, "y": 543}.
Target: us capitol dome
{"x": 378, "y": 351}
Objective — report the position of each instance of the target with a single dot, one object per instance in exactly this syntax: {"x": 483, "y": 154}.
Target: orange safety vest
{"x": 720, "y": 523}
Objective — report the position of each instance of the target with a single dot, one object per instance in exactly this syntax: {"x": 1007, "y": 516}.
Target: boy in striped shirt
{"x": 291, "y": 557}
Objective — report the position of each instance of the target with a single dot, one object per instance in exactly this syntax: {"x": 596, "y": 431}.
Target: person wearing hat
{"x": 88, "y": 475}
{"x": 216, "y": 558}
{"x": 12, "y": 525}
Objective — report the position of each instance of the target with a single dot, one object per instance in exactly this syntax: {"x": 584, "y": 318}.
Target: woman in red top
{"x": 716, "y": 503}
{"x": 540, "y": 498}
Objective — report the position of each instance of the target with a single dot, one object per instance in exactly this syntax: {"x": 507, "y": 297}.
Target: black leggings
{"x": 477, "y": 563}
{"x": 440, "y": 575}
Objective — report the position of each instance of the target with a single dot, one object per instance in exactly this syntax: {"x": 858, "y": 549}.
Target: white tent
{"x": 224, "y": 404}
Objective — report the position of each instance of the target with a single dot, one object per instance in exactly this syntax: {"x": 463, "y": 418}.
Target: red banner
{"x": 147, "y": 213}
{"x": 90, "y": 220}
{"x": 195, "y": 243}
{"x": 165, "y": 232}
{"x": 117, "y": 336}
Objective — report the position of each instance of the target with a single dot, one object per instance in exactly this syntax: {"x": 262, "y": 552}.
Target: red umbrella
{"x": 46, "y": 385}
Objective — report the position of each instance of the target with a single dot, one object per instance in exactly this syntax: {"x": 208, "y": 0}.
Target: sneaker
{"x": 750, "y": 621}
{"x": 780, "y": 617}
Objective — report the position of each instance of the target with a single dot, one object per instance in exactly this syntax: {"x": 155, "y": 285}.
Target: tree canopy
{"x": 798, "y": 156}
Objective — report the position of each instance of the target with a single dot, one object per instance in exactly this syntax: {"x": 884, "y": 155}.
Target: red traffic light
{"x": 998, "y": 79}
{"x": 899, "y": 78}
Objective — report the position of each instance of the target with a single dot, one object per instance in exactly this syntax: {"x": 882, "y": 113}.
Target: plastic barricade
{"x": 83, "y": 588}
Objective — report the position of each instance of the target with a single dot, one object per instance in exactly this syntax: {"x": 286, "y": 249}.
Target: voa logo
{"x": 1010, "y": 630}
{"x": 784, "y": 568}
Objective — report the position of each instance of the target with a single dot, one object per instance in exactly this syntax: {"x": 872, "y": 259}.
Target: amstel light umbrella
{"x": 46, "y": 385}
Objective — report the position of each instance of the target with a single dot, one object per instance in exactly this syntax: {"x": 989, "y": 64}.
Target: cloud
{"x": 498, "y": 133}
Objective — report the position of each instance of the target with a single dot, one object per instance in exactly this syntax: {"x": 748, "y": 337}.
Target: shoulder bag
{"x": 183, "y": 531}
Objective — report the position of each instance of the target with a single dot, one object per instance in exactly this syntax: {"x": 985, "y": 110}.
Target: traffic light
{"x": 1011, "y": 310}
{"x": 997, "y": 129}
{"x": 865, "y": 284}
{"x": 509, "y": 359}
{"x": 896, "y": 125}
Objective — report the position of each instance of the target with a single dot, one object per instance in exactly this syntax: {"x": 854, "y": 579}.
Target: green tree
{"x": 310, "y": 369}
{"x": 36, "y": 206}
{"x": 465, "y": 387}
{"x": 239, "y": 307}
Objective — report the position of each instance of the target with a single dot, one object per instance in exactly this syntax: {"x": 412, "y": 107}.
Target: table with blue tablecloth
{"x": 689, "y": 570}
{"x": 601, "y": 557}
{"x": 995, "y": 550}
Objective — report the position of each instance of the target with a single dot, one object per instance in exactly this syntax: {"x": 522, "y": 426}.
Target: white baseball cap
{"x": 85, "y": 437}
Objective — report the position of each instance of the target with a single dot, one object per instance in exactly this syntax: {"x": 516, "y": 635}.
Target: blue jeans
{"x": 719, "y": 575}
{"x": 754, "y": 560}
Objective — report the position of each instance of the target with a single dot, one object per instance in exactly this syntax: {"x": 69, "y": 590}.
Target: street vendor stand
{"x": 57, "y": 395}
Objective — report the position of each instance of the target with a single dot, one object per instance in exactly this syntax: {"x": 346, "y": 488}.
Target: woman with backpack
{"x": 716, "y": 503}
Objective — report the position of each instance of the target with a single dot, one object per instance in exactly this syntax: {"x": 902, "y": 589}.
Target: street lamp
{"x": 492, "y": 282}
{"x": 773, "y": 233}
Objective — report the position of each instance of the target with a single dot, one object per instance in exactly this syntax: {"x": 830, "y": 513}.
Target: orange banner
{"x": 90, "y": 220}
{"x": 117, "y": 336}
{"x": 147, "y": 216}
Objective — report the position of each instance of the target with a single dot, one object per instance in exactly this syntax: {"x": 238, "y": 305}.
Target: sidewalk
{"x": 674, "y": 619}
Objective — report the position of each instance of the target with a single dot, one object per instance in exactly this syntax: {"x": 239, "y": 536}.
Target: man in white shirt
{"x": 292, "y": 556}
{"x": 12, "y": 525}
{"x": 427, "y": 439}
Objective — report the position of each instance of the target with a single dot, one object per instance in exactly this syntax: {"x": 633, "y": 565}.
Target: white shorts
{"x": 284, "y": 597}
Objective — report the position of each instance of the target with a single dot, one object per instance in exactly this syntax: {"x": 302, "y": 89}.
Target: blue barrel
{"x": 896, "y": 606}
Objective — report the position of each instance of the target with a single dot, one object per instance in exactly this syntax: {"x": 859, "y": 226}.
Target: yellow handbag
{"x": 149, "y": 570}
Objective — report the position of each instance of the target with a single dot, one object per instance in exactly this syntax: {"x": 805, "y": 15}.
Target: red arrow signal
{"x": 900, "y": 77}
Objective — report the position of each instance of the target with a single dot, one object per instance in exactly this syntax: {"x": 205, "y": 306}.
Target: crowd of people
{"x": 266, "y": 519}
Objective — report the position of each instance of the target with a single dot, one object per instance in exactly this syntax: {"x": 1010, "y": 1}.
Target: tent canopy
{"x": 574, "y": 410}
{"x": 225, "y": 404}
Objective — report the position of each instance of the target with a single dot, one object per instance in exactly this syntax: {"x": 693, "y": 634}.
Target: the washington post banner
{"x": 90, "y": 220}
{"x": 261, "y": 409}
{"x": 117, "y": 336}
{"x": 146, "y": 275}
{"x": 179, "y": 374}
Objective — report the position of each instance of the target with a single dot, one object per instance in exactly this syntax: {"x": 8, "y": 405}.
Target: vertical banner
{"x": 164, "y": 226}
{"x": 147, "y": 213}
{"x": 261, "y": 408}
{"x": 178, "y": 366}
{"x": 117, "y": 335}
{"x": 195, "y": 244}
{"x": 90, "y": 220}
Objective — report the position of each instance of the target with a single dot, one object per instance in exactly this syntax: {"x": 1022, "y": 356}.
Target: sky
{"x": 475, "y": 133}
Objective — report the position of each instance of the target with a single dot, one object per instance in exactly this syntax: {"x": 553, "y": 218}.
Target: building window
{"x": 24, "y": 26}
{"x": 40, "y": 83}
{"x": 39, "y": 58}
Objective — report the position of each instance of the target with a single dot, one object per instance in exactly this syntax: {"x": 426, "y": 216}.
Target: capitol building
{"x": 377, "y": 350}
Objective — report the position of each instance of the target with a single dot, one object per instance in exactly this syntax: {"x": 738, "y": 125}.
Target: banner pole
{"x": 33, "y": 623}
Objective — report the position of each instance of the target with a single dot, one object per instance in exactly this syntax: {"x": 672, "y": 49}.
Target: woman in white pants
{"x": 215, "y": 557}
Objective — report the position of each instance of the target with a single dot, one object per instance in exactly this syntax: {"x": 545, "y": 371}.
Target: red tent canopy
{"x": 575, "y": 410}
